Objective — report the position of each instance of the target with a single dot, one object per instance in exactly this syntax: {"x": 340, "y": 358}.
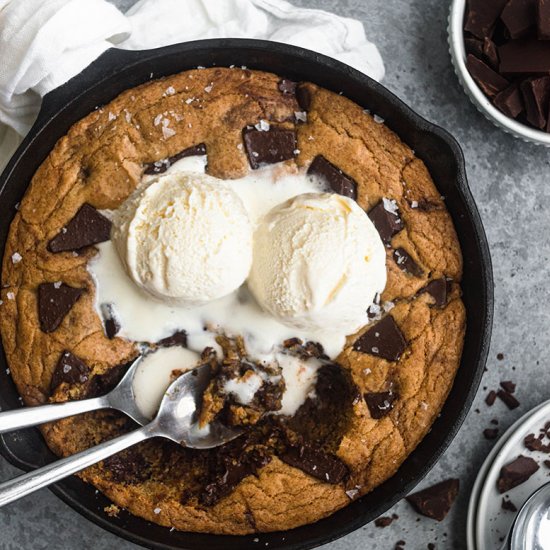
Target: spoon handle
{"x": 32, "y": 416}
{"x": 37, "y": 479}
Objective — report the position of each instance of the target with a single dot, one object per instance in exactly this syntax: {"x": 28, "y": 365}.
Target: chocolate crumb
{"x": 508, "y": 505}
{"x": 500, "y": 356}
{"x": 383, "y": 521}
{"x": 490, "y": 433}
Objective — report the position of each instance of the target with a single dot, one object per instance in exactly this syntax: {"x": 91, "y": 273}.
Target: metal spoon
{"x": 531, "y": 528}
{"x": 121, "y": 398}
{"x": 176, "y": 420}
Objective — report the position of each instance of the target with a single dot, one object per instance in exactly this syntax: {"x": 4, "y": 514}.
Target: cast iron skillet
{"x": 116, "y": 71}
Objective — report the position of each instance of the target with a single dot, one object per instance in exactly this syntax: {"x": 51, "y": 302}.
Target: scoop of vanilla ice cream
{"x": 185, "y": 238}
{"x": 318, "y": 263}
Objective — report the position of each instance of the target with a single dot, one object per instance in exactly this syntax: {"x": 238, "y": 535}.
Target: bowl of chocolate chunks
{"x": 501, "y": 54}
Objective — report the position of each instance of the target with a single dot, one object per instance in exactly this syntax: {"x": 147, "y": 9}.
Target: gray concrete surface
{"x": 510, "y": 182}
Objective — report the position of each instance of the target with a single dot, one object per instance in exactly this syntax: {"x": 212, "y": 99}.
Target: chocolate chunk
{"x": 535, "y": 444}
{"x": 110, "y": 320}
{"x": 482, "y": 15}
{"x": 161, "y": 166}
{"x": 316, "y": 463}
{"x": 269, "y": 147}
{"x": 491, "y": 397}
{"x": 515, "y": 473}
{"x": 380, "y": 404}
{"x": 69, "y": 369}
{"x": 86, "y": 228}
{"x": 405, "y": 262}
{"x": 490, "y": 433}
{"x": 509, "y": 399}
{"x": 303, "y": 96}
{"x": 474, "y": 46}
{"x": 547, "y": 463}
{"x": 179, "y": 338}
{"x": 339, "y": 182}
{"x": 519, "y": 16}
{"x": 384, "y": 521}
{"x": 438, "y": 289}
{"x": 435, "y": 501}
{"x": 508, "y": 386}
{"x": 384, "y": 339}
{"x": 386, "y": 218}
{"x": 490, "y": 82}
{"x": 287, "y": 86}
{"x": 536, "y": 95}
{"x": 508, "y": 505}
{"x": 55, "y": 300}
{"x": 524, "y": 56}
{"x": 128, "y": 466}
{"x": 490, "y": 53}
{"x": 510, "y": 101}
{"x": 543, "y": 19}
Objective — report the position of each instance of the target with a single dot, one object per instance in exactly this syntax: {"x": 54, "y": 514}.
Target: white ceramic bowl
{"x": 478, "y": 98}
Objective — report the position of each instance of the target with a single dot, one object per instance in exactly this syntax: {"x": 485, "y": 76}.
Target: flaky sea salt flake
{"x": 262, "y": 126}
{"x": 170, "y": 90}
{"x": 300, "y": 115}
{"x": 16, "y": 257}
{"x": 378, "y": 119}
{"x": 157, "y": 120}
{"x": 10, "y": 295}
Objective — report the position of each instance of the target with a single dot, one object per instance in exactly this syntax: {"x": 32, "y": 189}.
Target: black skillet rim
{"x": 258, "y": 54}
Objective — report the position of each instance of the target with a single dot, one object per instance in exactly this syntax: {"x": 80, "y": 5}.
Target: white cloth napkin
{"x": 43, "y": 43}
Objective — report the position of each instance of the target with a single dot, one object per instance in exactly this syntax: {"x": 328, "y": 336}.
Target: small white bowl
{"x": 478, "y": 98}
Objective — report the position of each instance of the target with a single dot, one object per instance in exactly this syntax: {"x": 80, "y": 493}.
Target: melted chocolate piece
{"x": 482, "y": 15}
{"x": 128, "y": 466}
{"x": 387, "y": 222}
{"x": 179, "y": 338}
{"x": 525, "y": 56}
{"x": 435, "y": 501}
{"x": 380, "y": 404}
{"x": 316, "y": 463}
{"x": 508, "y": 505}
{"x": 110, "y": 321}
{"x": 287, "y": 87}
{"x": 69, "y": 369}
{"x": 161, "y": 166}
{"x": 511, "y": 402}
{"x": 510, "y": 101}
{"x": 269, "y": 147}
{"x": 303, "y": 97}
{"x": 543, "y": 19}
{"x": 88, "y": 227}
{"x": 384, "y": 339}
{"x": 104, "y": 383}
{"x": 488, "y": 80}
{"x": 515, "y": 473}
{"x": 519, "y": 16}
{"x": 405, "y": 262}
{"x": 339, "y": 182}
{"x": 55, "y": 300}
{"x": 536, "y": 95}
{"x": 438, "y": 289}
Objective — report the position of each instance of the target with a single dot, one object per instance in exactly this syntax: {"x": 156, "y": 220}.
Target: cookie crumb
{"x": 112, "y": 510}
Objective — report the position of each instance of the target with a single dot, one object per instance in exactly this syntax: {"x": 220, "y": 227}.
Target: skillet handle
{"x": 108, "y": 62}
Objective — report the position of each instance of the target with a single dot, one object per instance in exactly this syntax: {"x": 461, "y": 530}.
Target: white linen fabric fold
{"x": 44, "y": 43}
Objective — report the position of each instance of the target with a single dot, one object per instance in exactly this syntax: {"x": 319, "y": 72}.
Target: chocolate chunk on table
{"x": 491, "y": 398}
{"x": 525, "y": 56}
{"x": 110, "y": 320}
{"x": 405, "y": 262}
{"x": 482, "y": 15}
{"x": 519, "y": 16}
{"x": 543, "y": 19}
{"x": 510, "y": 101}
{"x": 384, "y": 339}
{"x": 510, "y": 401}
{"x": 515, "y": 473}
{"x": 161, "y": 166}
{"x": 315, "y": 462}
{"x": 70, "y": 369}
{"x": 386, "y": 218}
{"x": 381, "y": 403}
{"x": 435, "y": 501}
{"x": 438, "y": 289}
{"x": 508, "y": 386}
{"x": 536, "y": 95}
{"x": 536, "y": 444}
{"x": 179, "y": 338}
{"x": 488, "y": 80}
{"x": 87, "y": 227}
{"x": 269, "y": 147}
{"x": 338, "y": 181}
{"x": 55, "y": 300}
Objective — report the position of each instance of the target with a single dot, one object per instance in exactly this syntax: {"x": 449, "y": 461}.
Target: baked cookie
{"x": 373, "y": 403}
